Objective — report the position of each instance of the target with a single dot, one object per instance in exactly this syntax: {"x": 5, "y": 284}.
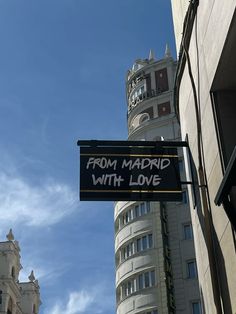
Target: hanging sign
{"x": 129, "y": 173}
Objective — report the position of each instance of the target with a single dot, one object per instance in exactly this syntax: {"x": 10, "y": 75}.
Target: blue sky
{"x": 62, "y": 78}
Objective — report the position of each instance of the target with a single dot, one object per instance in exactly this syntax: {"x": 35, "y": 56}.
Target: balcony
{"x": 144, "y": 96}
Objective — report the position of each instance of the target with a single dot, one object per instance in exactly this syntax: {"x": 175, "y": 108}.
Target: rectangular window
{"x": 150, "y": 240}
{"x": 140, "y": 281}
{"x": 181, "y": 165}
{"x": 196, "y": 308}
{"x": 144, "y": 243}
{"x": 142, "y": 205}
{"x": 146, "y": 280}
{"x": 138, "y": 245}
{"x": 148, "y": 207}
{"x": 163, "y": 109}
{"x": 152, "y": 278}
{"x": 185, "y": 197}
{"x": 188, "y": 231}
{"x": 191, "y": 269}
{"x": 137, "y": 213}
{"x": 162, "y": 80}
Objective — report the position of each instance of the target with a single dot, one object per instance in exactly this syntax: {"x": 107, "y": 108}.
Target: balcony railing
{"x": 144, "y": 96}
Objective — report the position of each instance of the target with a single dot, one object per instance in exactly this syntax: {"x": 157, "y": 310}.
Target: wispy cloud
{"x": 98, "y": 299}
{"x": 23, "y": 203}
{"x": 78, "y": 302}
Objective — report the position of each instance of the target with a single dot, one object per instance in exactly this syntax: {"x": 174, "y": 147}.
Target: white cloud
{"x": 78, "y": 302}
{"x": 97, "y": 299}
{"x": 22, "y": 203}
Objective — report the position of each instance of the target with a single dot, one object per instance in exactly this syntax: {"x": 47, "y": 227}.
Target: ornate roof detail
{"x": 167, "y": 51}
{"x": 31, "y": 276}
{"x": 10, "y": 236}
{"x": 151, "y": 55}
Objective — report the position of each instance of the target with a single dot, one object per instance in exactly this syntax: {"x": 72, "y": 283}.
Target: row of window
{"x": 135, "y": 212}
{"x": 140, "y": 210}
{"x": 142, "y": 281}
{"x": 132, "y": 213}
{"x": 136, "y": 246}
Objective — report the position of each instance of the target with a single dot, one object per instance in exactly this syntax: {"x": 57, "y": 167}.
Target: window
{"x": 132, "y": 213}
{"x": 150, "y": 240}
{"x": 181, "y": 165}
{"x": 188, "y": 231}
{"x": 144, "y": 243}
{"x": 142, "y": 209}
{"x": 185, "y": 197}
{"x": 137, "y": 211}
{"x": 163, "y": 109}
{"x": 138, "y": 93}
{"x": 196, "y": 308}
{"x": 13, "y": 272}
{"x": 191, "y": 269}
{"x": 162, "y": 80}
{"x": 128, "y": 216}
{"x": 139, "y": 247}
{"x": 128, "y": 287}
{"x": 142, "y": 281}
{"x": 140, "y": 244}
{"x": 146, "y": 280}
{"x": 128, "y": 250}
{"x": 144, "y": 117}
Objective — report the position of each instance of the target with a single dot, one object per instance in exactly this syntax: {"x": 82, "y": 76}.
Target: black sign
{"x": 129, "y": 173}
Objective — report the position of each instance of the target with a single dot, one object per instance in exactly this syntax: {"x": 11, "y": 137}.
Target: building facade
{"x": 154, "y": 251}
{"x": 205, "y": 90}
{"x": 16, "y": 297}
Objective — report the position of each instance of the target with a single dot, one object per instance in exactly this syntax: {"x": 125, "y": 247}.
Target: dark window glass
{"x": 162, "y": 80}
{"x": 148, "y": 207}
{"x": 181, "y": 166}
{"x": 144, "y": 242}
{"x": 152, "y": 278}
{"x": 188, "y": 232}
{"x": 140, "y": 281}
{"x": 150, "y": 240}
{"x": 137, "y": 211}
{"x": 163, "y": 109}
{"x": 185, "y": 197}
{"x": 146, "y": 280}
{"x": 138, "y": 245}
{"x": 142, "y": 209}
{"x": 192, "y": 269}
{"x": 196, "y": 308}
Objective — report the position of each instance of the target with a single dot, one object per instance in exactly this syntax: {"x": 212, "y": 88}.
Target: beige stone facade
{"x": 154, "y": 250}
{"x": 16, "y": 297}
{"x": 206, "y": 42}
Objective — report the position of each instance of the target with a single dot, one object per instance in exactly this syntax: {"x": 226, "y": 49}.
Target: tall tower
{"x": 15, "y": 297}
{"x": 155, "y": 260}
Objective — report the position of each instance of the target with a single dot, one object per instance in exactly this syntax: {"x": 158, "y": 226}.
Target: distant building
{"x": 205, "y": 98}
{"x": 16, "y": 297}
{"x": 154, "y": 252}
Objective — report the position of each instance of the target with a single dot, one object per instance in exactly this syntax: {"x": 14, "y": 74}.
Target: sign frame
{"x": 158, "y": 161}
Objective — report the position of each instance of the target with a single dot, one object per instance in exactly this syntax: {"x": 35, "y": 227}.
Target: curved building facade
{"x": 154, "y": 252}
